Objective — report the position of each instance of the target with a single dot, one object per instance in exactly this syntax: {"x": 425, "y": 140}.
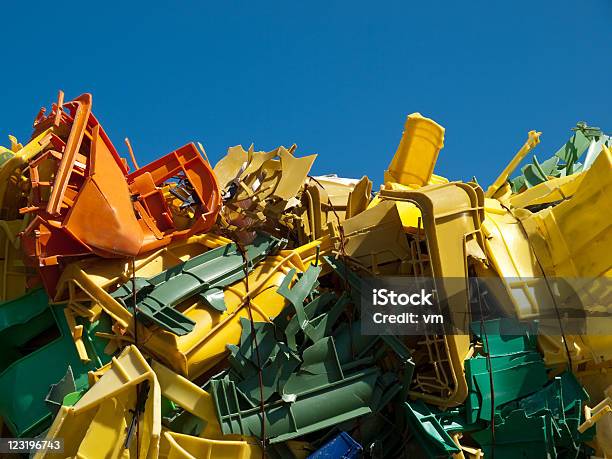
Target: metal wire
{"x": 483, "y": 333}
{"x": 135, "y": 309}
{"x": 557, "y": 312}
{"x": 255, "y": 344}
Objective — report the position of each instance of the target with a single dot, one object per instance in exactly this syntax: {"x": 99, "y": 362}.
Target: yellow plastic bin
{"x": 416, "y": 156}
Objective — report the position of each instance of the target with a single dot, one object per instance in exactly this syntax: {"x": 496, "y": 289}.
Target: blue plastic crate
{"x": 341, "y": 447}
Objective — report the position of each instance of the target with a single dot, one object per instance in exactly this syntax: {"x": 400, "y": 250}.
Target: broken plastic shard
{"x": 433, "y": 438}
{"x": 58, "y": 391}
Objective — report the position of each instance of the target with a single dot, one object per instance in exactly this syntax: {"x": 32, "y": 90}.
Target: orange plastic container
{"x": 83, "y": 201}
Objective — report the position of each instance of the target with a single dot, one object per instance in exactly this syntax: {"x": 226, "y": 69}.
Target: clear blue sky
{"x": 336, "y": 78}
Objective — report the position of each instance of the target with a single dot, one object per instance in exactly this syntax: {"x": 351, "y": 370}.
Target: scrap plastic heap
{"x": 184, "y": 311}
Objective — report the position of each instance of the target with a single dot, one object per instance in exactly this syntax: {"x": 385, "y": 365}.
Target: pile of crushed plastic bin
{"x": 180, "y": 310}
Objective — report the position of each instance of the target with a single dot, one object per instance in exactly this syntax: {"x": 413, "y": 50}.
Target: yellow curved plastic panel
{"x": 509, "y": 250}
{"x": 409, "y": 213}
{"x": 97, "y": 425}
{"x": 188, "y": 447}
{"x": 570, "y": 238}
{"x": 550, "y": 191}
